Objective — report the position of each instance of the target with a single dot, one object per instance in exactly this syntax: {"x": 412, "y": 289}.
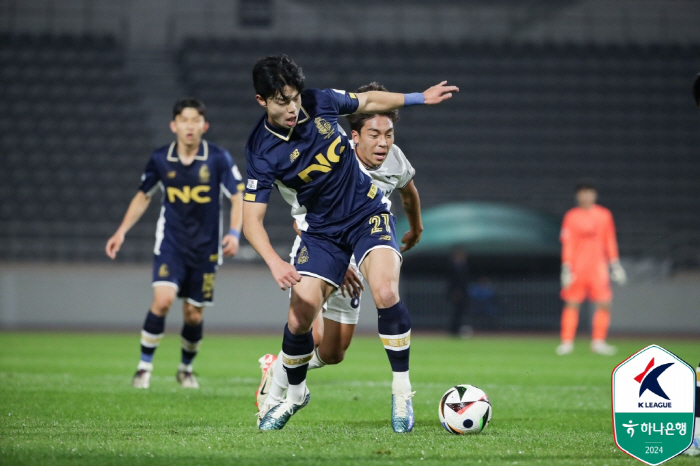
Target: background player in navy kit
{"x": 297, "y": 147}
{"x": 373, "y": 141}
{"x": 193, "y": 175}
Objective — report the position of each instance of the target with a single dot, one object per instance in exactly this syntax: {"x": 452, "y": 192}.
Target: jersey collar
{"x": 202, "y": 154}
{"x": 280, "y": 133}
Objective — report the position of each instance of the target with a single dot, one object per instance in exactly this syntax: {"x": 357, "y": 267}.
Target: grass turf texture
{"x": 67, "y": 399}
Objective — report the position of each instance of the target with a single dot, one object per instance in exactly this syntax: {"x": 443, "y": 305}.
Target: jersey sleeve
{"x": 344, "y": 102}
{"x": 261, "y": 179}
{"x": 610, "y": 239}
{"x": 150, "y": 178}
{"x": 407, "y": 170}
{"x": 567, "y": 240}
{"x": 231, "y": 179}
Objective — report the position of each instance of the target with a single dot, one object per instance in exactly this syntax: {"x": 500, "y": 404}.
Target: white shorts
{"x": 338, "y": 308}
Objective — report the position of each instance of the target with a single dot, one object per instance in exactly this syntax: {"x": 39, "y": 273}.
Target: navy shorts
{"x": 195, "y": 284}
{"x": 328, "y": 258}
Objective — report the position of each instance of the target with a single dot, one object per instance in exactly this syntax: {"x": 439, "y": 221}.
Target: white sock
{"x": 145, "y": 366}
{"x": 316, "y": 361}
{"x": 401, "y": 383}
{"x": 296, "y": 393}
{"x": 279, "y": 384}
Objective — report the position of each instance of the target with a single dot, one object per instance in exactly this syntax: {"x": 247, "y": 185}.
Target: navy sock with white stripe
{"x": 151, "y": 334}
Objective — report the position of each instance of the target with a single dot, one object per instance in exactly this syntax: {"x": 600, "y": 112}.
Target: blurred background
{"x": 551, "y": 92}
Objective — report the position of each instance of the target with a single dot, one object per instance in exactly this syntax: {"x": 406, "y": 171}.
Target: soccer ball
{"x": 464, "y": 409}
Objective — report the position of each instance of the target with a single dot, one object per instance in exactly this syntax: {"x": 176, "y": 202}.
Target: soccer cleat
{"x": 277, "y": 415}
{"x": 267, "y": 363}
{"x": 600, "y": 347}
{"x": 142, "y": 379}
{"x": 186, "y": 379}
{"x": 402, "y": 419}
{"x": 565, "y": 348}
{"x": 694, "y": 449}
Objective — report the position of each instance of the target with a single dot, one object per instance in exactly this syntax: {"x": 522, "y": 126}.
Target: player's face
{"x": 189, "y": 126}
{"x": 374, "y": 140}
{"x": 283, "y": 109}
{"x": 586, "y": 198}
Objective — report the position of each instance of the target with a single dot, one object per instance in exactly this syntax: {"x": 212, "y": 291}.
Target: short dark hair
{"x": 271, "y": 74}
{"x": 358, "y": 120}
{"x": 584, "y": 185}
{"x": 696, "y": 90}
{"x": 189, "y": 102}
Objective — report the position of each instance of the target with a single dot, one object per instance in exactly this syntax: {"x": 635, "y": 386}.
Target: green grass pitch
{"x": 66, "y": 399}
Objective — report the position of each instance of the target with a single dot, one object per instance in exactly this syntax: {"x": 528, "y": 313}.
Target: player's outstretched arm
{"x": 137, "y": 207}
{"x": 230, "y": 240}
{"x": 410, "y": 200}
{"x": 377, "y": 101}
{"x": 283, "y": 272}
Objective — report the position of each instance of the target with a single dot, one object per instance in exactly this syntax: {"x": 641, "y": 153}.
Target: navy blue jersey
{"x": 190, "y": 218}
{"x": 313, "y": 165}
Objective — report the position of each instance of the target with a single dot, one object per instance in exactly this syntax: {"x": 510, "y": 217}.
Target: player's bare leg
{"x": 569, "y": 323}
{"x": 381, "y": 268}
{"x": 152, "y": 332}
{"x": 601, "y": 323}
{"x": 336, "y": 340}
{"x": 191, "y": 339}
{"x": 297, "y": 349}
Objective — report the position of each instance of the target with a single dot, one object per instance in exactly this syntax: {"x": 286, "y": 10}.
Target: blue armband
{"x": 416, "y": 98}
{"x": 234, "y": 232}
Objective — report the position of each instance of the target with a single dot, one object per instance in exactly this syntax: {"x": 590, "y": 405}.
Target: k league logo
{"x": 653, "y": 404}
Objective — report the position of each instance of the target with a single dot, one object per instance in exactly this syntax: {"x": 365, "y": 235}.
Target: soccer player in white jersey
{"x": 194, "y": 176}
{"x": 373, "y": 141}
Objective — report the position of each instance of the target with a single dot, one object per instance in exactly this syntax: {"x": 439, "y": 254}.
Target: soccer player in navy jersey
{"x": 194, "y": 175}
{"x": 297, "y": 147}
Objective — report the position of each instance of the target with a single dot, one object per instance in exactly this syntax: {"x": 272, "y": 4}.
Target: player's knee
{"x": 193, "y": 315}
{"x": 161, "y": 305}
{"x": 386, "y": 295}
{"x": 335, "y": 357}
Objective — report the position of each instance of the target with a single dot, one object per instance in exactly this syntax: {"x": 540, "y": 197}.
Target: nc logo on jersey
{"x": 324, "y": 162}
{"x": 324, "y": 127}
{"x": 204, "y": 174}
{"x": 187, "y": 194}
{"x": 653, "y": 401}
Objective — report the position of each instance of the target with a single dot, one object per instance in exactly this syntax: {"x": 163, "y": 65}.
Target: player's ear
{"x": 355, "y": 136}
{"x": 206, "y": 127}
{"x": 173, "y": 128}
{"x": 260, "y": 100}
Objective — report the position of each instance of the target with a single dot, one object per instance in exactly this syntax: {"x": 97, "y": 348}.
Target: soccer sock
{"x": 297, "y": 351}
{"x": 191, "y": 338}
{"x": 394, "y": 325}
{"x": 151, "y": 334}
{"x": 601, "y": 323}
{"x": 316, "y": 361}
{"x": 569, "y": 322}
{"x": 279, "y": 384}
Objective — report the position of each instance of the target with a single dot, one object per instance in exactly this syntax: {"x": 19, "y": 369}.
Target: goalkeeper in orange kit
{"x": 589, "y": 249}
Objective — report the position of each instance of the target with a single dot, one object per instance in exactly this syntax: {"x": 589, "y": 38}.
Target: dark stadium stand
{"x": 530, "y": 121}
{"x": 74, "y": 143}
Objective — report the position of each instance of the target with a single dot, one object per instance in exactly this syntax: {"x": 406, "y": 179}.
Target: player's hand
{"x": 410, "y": 239}
{"x": 285, "y": 274}
{"x": 114, "y": 244}
{"x": 617, "y": 273}
{"x": 352, "y": 283}
{"x": 438, "y": 93}
{"x": 230, "y": 245}
{"x": 567, "y": 276}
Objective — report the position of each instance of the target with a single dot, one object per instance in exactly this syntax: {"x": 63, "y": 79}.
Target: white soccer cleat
{"x": 402, "y": 419}
{"x": 277, "y": 414}
{"x": 565, "y": 348}
{"x": 185, "y": 377}
{"x": 600, "y": 347}
{"x": 267, "y": 364}
{"x": 694, "y": 449}
{"x": 142, "y": 379}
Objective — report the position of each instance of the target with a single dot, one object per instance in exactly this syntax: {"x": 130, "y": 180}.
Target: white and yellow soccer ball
{"x": 464, "y": 409}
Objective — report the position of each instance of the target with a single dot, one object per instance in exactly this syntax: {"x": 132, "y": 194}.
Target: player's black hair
{"x": 583, "y": 185}
{"x": 358, "y": 120}
{"x": 189, "y": 102}
{"x": 271, "y": 74}
{"x": 696, "y": 90}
